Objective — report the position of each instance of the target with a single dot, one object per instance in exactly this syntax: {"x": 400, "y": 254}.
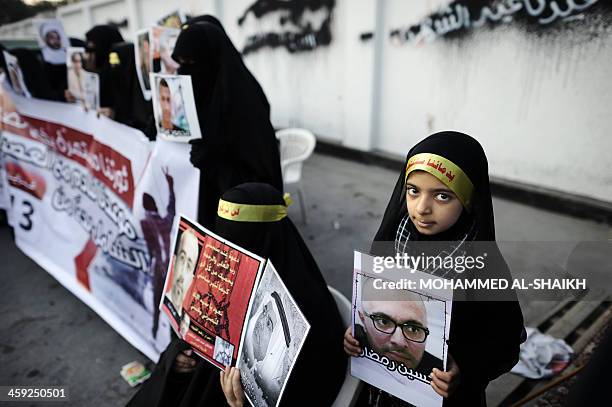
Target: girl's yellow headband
{"x": 447, "y": 172}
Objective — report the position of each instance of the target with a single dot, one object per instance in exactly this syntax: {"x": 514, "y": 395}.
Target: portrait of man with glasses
{"x": 396, "y": 327}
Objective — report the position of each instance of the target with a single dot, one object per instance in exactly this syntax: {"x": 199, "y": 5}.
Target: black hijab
{"x": 469, "y": 155}
{"x": 103, "y": 37}
{"x": 130, "y": 106}
{"x": 484, "y": 337}
{"x": 204, "y": 18}
{"x": 207, "y": 18}
{"x": 280, "y": 242}
{"x": 238, "y": 141}
{"x": 77, "y": 42}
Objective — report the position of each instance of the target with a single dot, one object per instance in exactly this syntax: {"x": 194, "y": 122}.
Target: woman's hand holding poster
{"x": 231, "y": 306}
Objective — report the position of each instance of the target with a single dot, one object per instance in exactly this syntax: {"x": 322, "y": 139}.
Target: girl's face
{"x": 432, "y": 206}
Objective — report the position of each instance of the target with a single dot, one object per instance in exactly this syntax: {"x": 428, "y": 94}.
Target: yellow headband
{"x": 447, "y": 172}
{"x": 253, "y": 213}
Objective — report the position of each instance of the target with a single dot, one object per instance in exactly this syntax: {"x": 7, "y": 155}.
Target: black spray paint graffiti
{"x": 459, "y": 17}
{"x": 300, "y": 34}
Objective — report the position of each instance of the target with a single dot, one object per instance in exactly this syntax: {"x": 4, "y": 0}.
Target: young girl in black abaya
{"x": 238, "y": 141}
{"x": 451, "y": 205}
{"x": 180, "y": 380}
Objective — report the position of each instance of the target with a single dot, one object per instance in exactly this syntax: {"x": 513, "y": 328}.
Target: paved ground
{"x": 48, "y": 337}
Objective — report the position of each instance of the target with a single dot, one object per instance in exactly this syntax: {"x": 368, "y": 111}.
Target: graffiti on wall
{"x": 304, "y": 24}
{"x": 462, "y": 16}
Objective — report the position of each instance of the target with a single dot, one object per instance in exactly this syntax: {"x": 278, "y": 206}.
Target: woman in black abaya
{"x": 238, "y": 141}
{"x": 130, "y": 106}
{"x": 484, "y": 336}
{"x": 320, "y": 369}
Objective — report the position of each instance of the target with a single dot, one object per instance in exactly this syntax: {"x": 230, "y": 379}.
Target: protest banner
{"x": 93, "y": 202}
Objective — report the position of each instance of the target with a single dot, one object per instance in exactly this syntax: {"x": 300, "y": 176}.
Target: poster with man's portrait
{"x": 402, "y": 330}
{"x": 175, "y": 19}
{"x": 91, "y": 88}
{"x": 142, "y": 58}
{"x": 162, "y": 44}
{"x": 209, "y": 292}
{"x": 52, "y": 40}
{"x": 276, "y": 331}
{"x": 176, "y": 118}
{"x": 15, "y": 75}
{"x": 75, "y": 72}
{"x": 187, "y": 249}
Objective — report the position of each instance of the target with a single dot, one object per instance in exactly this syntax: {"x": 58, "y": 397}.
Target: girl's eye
{"x": 412, "y": 191}
{"x": 443, "y": 197}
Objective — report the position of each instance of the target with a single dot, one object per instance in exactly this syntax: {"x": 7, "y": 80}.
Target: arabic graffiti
{"x": 302, "y": 34}
{"x": 460, "y": 17}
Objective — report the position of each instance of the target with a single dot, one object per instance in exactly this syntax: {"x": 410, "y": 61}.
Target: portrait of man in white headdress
{"x": 52, "y": 41}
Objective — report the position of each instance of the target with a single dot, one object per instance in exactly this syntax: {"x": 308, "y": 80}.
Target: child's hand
{"x": 232, "y": 388}
{"x": 445, "y": 383}
{"x": 184, "y": 363}
{"x": 351, "y": 345}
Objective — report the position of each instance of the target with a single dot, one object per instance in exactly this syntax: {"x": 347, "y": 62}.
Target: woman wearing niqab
{"x": 100, "y": 40}
{"x": 320, "y": 368}
{"x": 238, "y": 141}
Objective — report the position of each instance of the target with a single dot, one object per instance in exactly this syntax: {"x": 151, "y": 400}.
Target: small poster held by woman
{"x": 142, "y": 58}
{"x": 176, "y": 118}
{"x": 74, "y": 65}
{"x": 275, "y": 333}
{"x": 83, "y": 86}
{"x": 52, "y": 40}
{"x": 15, "y": 75}
{"x": 162, "y": 43}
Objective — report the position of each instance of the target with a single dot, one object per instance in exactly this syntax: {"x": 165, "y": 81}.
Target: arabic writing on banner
{"x": 93, "y": 202}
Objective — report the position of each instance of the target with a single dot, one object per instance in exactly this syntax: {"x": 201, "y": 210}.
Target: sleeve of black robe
{"x": 485, "y": 341}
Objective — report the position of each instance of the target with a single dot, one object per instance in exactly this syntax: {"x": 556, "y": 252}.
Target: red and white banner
{"x": 94, "y": 203}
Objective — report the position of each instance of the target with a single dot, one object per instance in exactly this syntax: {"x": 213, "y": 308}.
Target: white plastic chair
{"x": 296, "y": 145}
{"x": 351, "y": 387}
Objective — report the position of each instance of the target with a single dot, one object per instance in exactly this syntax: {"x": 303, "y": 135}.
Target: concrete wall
{"x": 533, "y": 87}
{"x": 536, "y": 97}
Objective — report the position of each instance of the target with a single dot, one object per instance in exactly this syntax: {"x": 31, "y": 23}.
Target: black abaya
{"x": 238, "y": 141}
{"x": 320, "y": 368}
{"x": 36, "y": 76}
{"x": 130, "y": 106}
{"x": 103, "y": 37}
